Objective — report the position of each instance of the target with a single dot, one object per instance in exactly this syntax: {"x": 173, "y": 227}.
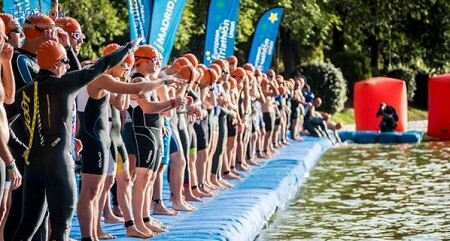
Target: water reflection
{"x": 372, "y": 192}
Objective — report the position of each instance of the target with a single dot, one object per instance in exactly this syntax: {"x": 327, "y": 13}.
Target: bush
{"x": 327, "y": 82}
{"x": 355, "y": 66}
{"x": 406, "y": 74}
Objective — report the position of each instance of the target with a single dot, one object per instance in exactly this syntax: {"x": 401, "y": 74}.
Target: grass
{"x": 347, "y": 116}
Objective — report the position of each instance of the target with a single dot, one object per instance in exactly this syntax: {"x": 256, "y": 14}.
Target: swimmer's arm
{"x": 8, "y": 80}
{"x": 77, "y": 79}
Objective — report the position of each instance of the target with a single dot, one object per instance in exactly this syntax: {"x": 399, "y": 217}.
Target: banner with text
{"x": 139, "y": 16}
{"x": 263, "y": 43}
{"x": 21, "y": 9}
{"x": 220, "y": 30}
{"x": 166, "y": 17}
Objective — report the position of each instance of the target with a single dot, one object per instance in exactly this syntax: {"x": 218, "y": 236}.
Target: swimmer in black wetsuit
{"x": 46, "y": 106}
{"x": 145, "y": 112}
{"x": 25, "y": 69}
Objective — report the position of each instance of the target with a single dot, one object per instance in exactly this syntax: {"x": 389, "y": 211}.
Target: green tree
{"x": 102, "y": 21}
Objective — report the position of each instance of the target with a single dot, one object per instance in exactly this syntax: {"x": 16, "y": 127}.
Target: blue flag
{"x": 263, "y": 44}
{"x": 166, "y": 18}
{"x": 139, "y": 14}
{"x": 21, "y": 9}
{"x": 220, "y": 30}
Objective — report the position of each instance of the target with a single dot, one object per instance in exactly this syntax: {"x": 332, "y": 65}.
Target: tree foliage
{"x": 388, "y": 32}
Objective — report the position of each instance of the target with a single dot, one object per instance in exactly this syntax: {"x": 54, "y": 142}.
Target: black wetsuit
{"x": 118, "y": 150}
{"x": 148, "y": 135}
{"x": 94, "y": 134}
{"x": 46, "y": 107}
{"x": 25, "y": 69}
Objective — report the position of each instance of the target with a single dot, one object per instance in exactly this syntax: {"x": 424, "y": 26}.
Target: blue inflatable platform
{"x": 365, "y": 137}
{"x": 241, "y": 212}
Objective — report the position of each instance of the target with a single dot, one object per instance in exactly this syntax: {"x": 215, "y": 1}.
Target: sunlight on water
{"x": 371, "y": 192}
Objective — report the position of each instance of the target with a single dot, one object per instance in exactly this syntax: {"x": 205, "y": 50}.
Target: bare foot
{"x": 133, "y": 232}
{"x": 244, "y": 166}
{"x": 143, "y": 229}
{"x": 199, "y": 193}
{"x": 230, "y": 175}
{"x": 161, "y": 209}
{"x": 206, "y": 191}
{"x": 117, "y": 211}
{"x": 113, "y": 219}
{"x": 155, "y": 227}
{"x": 217, "y": 183}
{"x": 235, "y": 172}
{"x": 253, "y": 162}
{"x": 225, "y": 183}
{"x": 189, "y": 196}
{"x": 103, "y": 235}
{"x": 180, "y": 206}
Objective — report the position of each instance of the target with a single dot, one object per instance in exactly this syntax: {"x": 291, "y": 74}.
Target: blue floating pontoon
{"x": 365, "y": 137}
{"x": 241, "y": 212}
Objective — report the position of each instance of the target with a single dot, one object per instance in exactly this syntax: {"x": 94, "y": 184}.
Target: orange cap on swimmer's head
{"x": 282, "y": 90}
{"x": 36, "y": 24}
{"x": 209, "y": 77}
{"x": 249, "y": 66}
{"x": 68, "y": 24}
{"x": 232, "y": 82}
{"x": 129, "y": 60}
{"x": 146, "y": 52}
{"x": 217, "y": 68}
{"x": 271, "y": 74}
{"x": 180, "y": 62}
{"x": 10, "y": 23}
{"x": 192, "y": 58}
{"x": 222, "y": 63}
{"x": 202, "y": 66}
{"x": 187, "y": 72}
{"x": 239, "y": 72}
{"x": 232, "y": 60}
{"x": 49, "y": 53}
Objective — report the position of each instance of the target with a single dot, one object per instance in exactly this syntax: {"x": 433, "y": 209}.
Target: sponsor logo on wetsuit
{"x": 25, "y": 104}
{"x": 100, "y": 162}
{"x": 149, "y": 156}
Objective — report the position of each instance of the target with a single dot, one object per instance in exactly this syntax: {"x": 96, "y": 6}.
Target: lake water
{"x": 371, "y": 192}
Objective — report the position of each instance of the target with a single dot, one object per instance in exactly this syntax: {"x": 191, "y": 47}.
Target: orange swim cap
{"x": 210, "y": 76}
{"x": 129, "y": 60}
{"x": 279, "y": 79}
{"x": 180, "y": 62}
{"x": 222, "y": 63}
{"x": 68, "y": 24}
{"x": 36, "y": 24}
{"x": 192, "y": 58}
{"x": 217, "y": 68}
{"x": 49, "y": 53}
{"x": 270, "y": 74}
{"x": 202, "y": 66}
{"x": 249, "y": 66}
{"x": 146, "y": 52}
{"x": 232, "y": 60}
{"x": 187, "y": 72}
{"x": 239, "y": 72}
{"x": 232, "y": 82}
{"x": 10, "y": 23}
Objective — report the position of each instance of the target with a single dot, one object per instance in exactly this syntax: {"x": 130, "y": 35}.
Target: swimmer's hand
{"x": 135, "y": 43}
